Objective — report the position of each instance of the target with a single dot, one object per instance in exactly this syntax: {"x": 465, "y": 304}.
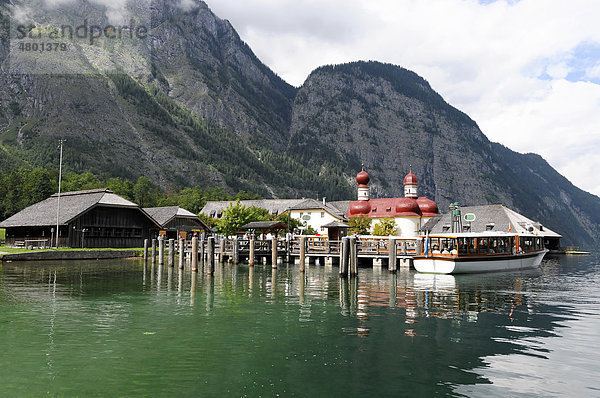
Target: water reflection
{"x": 439, "y": 331}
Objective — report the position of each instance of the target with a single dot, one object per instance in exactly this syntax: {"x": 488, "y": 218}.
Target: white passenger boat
{"x": 458, "y": 253}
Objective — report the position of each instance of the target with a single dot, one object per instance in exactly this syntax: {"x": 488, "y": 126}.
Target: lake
{"x": 122, "y": 328}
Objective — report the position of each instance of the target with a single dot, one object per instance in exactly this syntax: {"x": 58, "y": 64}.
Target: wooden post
{"x": 202, "y": 250}
{"x": 287, "y": 248}
{"x": 392, "y": 253}
{"x": 171, "y": 253}
{"x": 251, "y": 255}
{"x": 302, "y": 253}
{"x": 274, "y": 253}
{"x": 236, "y": 250}
{"x": 153, "y": 250}
{"x": 145, "y": 249}
{"x": 194, "y": 254}
{"x": 344, "y": 256}
{"x": 181, "y": 253}
{"x": 222, "y": 251}
{"x": 210, "y": 256}
{"x": 404, "y": 247}
{"x": 161, "y": 251}
{"x": 353, "y": 262}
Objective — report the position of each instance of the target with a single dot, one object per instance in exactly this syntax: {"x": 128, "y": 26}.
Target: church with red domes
{"x": 409, "y": 212}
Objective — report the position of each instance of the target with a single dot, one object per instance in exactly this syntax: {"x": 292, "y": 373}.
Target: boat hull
{"x": 476, "y": 264}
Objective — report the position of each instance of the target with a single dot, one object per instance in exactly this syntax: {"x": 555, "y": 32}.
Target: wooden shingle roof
{"x": 72, "y": 204}
{"x": 165, "y": 214}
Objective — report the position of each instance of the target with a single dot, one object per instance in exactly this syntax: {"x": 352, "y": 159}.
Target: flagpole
{"x": 59, "y": 181}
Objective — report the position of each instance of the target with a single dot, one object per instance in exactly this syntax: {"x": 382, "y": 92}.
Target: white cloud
{"x": 507, "y": 64}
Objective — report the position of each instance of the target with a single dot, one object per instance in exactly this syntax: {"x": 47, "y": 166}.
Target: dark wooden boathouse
{"x": 177, "y": 222}
{"x": 95, "y": 218}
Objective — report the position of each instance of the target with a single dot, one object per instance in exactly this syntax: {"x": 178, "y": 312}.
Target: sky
{"x": 528, "y": 71}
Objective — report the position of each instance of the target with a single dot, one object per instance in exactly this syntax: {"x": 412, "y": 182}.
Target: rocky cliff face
{"x": 391, "y": 120}
{"x": 202, "y": 109}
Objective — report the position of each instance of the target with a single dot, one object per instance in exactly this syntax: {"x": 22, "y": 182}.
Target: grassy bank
{"x": 13, "y": 250}
{"x": 2, "y": 234}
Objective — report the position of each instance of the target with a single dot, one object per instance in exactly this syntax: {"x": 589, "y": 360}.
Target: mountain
{"x": 390, "y": 119}
{"x": 194, "y": 107}
{"x": 198, "y": 107}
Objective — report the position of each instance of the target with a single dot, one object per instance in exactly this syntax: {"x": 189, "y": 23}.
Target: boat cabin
{"x": 480, "y": 244}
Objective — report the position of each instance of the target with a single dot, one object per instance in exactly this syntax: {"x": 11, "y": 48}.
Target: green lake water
{"x": 123, "y": 329}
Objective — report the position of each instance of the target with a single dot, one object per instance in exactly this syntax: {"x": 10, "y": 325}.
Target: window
{"x": 446, "y": 228}
{"x": 490, "y": 226}
{"x": 322, "y": 214}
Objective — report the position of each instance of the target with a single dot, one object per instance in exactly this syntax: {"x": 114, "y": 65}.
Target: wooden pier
{"x": 348, "y": 253}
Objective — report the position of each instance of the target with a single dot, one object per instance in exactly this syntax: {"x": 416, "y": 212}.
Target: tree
{"x": 385, "y": 227}
{"x": 291, "y": 222}
{"x": 145, "y": 192}
{"x": 309, "y": 231}
{"x": 359, "y": 225}
{"x": 237, "y": 215}
{"x": 121, "y": 187}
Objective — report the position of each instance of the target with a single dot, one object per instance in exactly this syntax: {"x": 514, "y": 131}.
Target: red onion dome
{"x": 428, "y": 207}
{"x": 407, "y": 207}
{"x": 410, "y": 179}
{"x": 363, "y": 178}
{"x": 359, "y": 207}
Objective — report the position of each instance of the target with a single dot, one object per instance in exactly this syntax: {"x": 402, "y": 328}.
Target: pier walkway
{"x": 348, "y": 252}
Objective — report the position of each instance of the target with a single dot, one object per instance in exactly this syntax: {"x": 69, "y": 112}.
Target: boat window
{"x": 482, "y": 245}
{"x": 489, "y": 227}
{"x": 466, "y": 246}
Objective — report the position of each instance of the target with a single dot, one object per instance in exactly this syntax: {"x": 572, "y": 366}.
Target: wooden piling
{"x": 251, "y": 255}
{"x": 153, "y": 250}
{"x": 392, "y": 256}
{"x": 222, "y": 251}
{"x": 202, "y": 250}
{"x": 209, "y": 267}
{"x": 194, "y": 254}
{"x": 171, "y": 258}
{"x": 344, "y": 251}
{"x": 274, "y": 253}
{"x": 145, "y": 249}
{"x": 236, "y": 250}
{"x": 161, "y": 251}
{"x": 302, "y": 253}
{"x": 353, "y": 254}
{"x": 181, "y": 253}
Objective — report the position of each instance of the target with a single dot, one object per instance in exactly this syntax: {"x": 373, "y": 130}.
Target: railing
{"x": 366, "y": 247}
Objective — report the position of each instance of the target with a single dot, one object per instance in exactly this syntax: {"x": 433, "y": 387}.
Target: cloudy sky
{"x": 528, "y": 71}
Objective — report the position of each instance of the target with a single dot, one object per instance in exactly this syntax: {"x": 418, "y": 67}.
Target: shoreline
{"x": 70, "y": 255}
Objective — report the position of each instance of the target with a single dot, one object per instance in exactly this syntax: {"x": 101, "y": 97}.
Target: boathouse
{"x": 177, "y": 222}
{"x": 409, "y": 212}
{"x": 95, "y": 218}
{"x": 492, "y": 218}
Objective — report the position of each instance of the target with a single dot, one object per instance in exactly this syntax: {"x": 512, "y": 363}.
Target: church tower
{"x": 410, "y": 186}
{"x": 363, "y": 185}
